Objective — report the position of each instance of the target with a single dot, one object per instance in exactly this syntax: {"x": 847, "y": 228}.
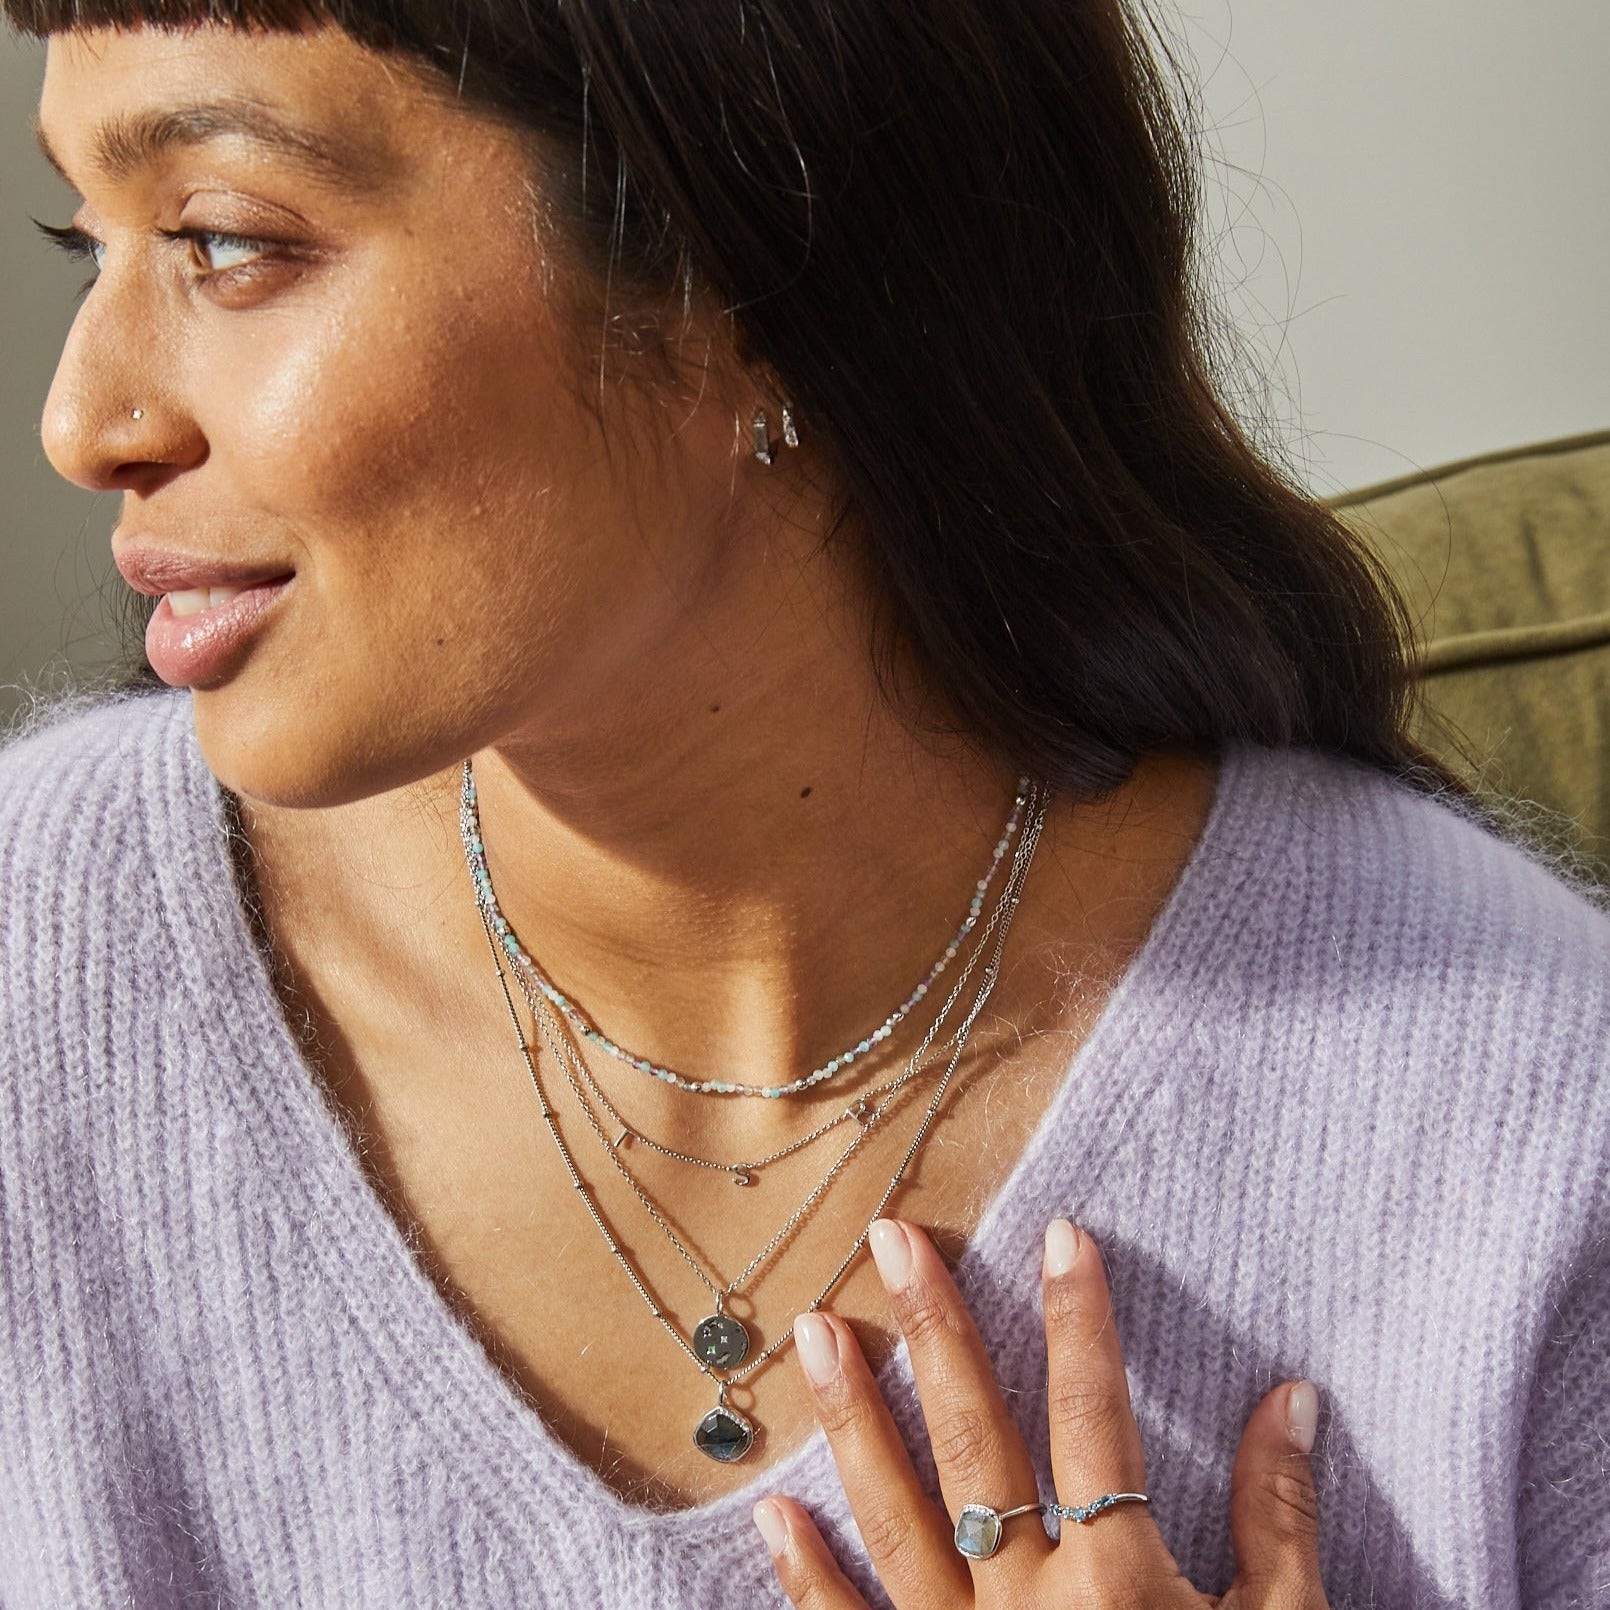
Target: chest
{"x": 471, "y": 1174}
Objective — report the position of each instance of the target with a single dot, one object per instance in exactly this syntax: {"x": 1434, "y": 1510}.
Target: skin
{"x": 561, "y": 559}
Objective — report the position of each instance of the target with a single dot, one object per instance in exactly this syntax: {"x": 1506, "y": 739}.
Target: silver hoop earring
{"x": 762, "y": 438}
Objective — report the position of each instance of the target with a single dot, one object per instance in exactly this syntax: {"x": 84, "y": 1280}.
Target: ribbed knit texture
{"x": 1347, "y": 1115}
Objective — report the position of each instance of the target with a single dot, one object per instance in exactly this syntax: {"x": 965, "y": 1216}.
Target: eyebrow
{"x": 130, "y": 142}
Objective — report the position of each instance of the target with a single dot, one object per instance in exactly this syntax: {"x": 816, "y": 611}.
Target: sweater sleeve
{"x": 1564, "y": 1501}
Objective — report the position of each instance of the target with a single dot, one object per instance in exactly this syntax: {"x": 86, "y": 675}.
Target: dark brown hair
{"x": 962, "y": 234}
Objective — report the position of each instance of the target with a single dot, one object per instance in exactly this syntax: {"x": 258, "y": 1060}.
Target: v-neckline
{"x": 420, "y": 1343}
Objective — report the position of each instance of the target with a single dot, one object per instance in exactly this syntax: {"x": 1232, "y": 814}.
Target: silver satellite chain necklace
{"x": 475, "y": 852}
{"x": 720, "y": 1339}
{"x": 866, "y": 1109}
{"x": 724, "y": 1433}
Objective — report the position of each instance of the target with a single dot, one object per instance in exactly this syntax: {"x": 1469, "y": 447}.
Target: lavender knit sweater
{"x": 1347, "y": 1116}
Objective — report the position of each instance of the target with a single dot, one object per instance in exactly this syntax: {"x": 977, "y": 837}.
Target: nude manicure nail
{"x": 818, "y": 1347}
{"x": 1302, "y": 1416}
{"x": 1061, "y": 1247}
{"x": 770, "y": 1526}
{"x": 891, "y": 1251}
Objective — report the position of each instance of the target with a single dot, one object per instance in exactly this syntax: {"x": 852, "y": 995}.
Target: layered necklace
{"x": 720, "y": 1344}
{"x": 475, "y": 853}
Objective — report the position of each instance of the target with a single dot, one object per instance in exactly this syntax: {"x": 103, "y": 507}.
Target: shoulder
{"x": 103, "y": 804}
{"x": 89, "y": 783}
{"x": 1431, "y": 992}
{"x": 1407, "y": 879}
{"x": 87, "y": 752}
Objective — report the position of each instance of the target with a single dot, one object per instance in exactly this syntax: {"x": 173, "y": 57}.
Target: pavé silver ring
{"x": 978, "y": 1528}
{"x": 1088, "y": 1512}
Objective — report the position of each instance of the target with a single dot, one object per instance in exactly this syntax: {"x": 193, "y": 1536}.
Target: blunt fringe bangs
{"x": 963, "y": 236}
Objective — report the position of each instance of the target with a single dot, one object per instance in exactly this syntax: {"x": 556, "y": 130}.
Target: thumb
{"x": 1274, "y": 1511}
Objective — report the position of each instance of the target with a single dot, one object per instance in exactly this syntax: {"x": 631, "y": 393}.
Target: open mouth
{"x": 197, "y": 635}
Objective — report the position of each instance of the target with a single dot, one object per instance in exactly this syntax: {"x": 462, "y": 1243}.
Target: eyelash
{"x": 81, "y": 246}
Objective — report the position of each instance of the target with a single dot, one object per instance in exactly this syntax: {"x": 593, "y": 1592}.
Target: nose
{"x": 112, "y": 421}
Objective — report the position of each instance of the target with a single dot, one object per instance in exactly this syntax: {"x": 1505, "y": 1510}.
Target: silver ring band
{"x": 1085, "y": 1513}
{"x": 978, "y": 1528}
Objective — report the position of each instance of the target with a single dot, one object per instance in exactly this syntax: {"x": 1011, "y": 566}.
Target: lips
{"x": 206, "y": 646}
{"x": 155, "y": 571}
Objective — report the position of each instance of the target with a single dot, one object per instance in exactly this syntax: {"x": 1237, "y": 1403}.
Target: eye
{"x": 75, "y": 243}
{"x": 220, "y": 252}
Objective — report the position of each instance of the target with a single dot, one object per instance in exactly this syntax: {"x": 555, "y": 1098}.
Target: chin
{"x": 299, "y": 752}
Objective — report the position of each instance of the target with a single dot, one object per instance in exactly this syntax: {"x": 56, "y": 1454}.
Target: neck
{"x": 744, "y": 911}
{"x": 737, "y": 871}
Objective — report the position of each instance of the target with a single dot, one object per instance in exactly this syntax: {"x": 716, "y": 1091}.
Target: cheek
{"x": 348, "y": 413}
{"x": 426, "y": 463}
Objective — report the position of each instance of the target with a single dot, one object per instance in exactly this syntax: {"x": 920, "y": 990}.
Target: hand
{"x": 1118, "y": 1559}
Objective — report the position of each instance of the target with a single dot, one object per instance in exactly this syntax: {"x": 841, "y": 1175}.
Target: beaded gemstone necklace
{"x": 475, "y": 852}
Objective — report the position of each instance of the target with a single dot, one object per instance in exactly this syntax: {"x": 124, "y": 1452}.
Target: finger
{"x": 1274, "y": 1510}
{"x": 907, "y": 1536}
{"x": 1095, "y": 1443}
{"x": 977, "y": 1448}
{"x": 804, "y": 1564}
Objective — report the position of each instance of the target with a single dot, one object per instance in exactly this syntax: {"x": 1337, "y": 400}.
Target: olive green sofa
{"x": 1505, "y": 563}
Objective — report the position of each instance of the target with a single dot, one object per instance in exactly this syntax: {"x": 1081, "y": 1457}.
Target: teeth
{"x": 200, "y": 598}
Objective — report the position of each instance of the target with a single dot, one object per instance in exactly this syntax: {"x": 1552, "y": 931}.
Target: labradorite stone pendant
{"x": 724, "y": 1434}
{"x": 721, "y": 1341}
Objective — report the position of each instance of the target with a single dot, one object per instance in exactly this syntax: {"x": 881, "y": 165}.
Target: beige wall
{"x": 1421, "y": 219}
{"x": 54, "y": 569}
{"x": 1411, "y": 205}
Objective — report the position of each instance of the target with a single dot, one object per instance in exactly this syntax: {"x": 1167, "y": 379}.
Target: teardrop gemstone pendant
{"x": 724, "y": 1434}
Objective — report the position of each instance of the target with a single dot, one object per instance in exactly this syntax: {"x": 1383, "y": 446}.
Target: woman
{"x": 739, "y": 701}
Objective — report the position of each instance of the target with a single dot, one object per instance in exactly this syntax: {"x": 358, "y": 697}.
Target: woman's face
{"x": 328, "y": 340}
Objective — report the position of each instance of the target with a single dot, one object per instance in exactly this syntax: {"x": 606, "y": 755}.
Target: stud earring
{"x": 761, "y": 430}
{"x": 139, "y": 413}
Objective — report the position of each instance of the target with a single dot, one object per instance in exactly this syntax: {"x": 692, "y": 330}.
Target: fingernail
{"x": 818, "y": 1347}
{"x": 771, "y": 1526}
{"x": 1061, "y": 1247}
{"x": 1302, "y": 1416}
{"x": 891, "y": 1251}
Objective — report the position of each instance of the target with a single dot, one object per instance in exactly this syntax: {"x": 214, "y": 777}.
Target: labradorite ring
{"x": 978, "y": 1528}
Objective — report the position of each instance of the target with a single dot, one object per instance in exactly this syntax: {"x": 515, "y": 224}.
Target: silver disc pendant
{"x": 724, "y": 1434}
{"x": 721, "y": 1341}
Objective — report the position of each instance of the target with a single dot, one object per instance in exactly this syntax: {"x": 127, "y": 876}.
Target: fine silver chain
{"x": 743, "y": 1172}
{"x": 1011, "y": 896}
{"x": 567, "y": 1057}
{"x": 469, "y": 823}
{"x": 866, "y": 1109}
